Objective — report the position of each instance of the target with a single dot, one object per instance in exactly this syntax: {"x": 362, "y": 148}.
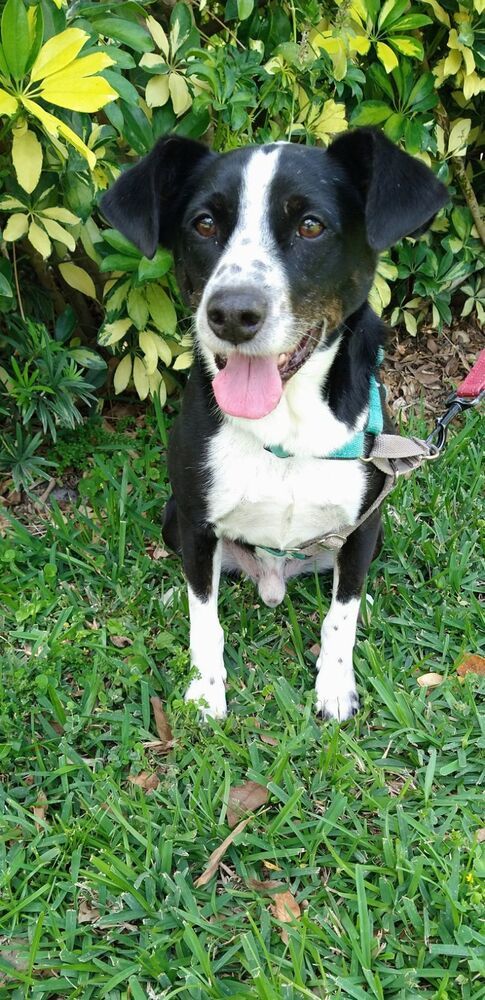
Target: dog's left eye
{"x": 310, "y": 228}
{"x": 205, "y": 225}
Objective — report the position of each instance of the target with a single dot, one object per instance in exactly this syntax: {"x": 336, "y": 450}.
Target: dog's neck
{"x": 325, "y": 403}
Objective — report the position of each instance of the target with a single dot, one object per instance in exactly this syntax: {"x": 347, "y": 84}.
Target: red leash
{"x": 469, "y": 393}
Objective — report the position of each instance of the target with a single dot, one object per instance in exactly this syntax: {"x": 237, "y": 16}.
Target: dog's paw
{"x": 210, "y": 695}
{"x": 336, "y": 695}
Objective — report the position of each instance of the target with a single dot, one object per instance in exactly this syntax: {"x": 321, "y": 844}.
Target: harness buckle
{"x": 454, "y": 405}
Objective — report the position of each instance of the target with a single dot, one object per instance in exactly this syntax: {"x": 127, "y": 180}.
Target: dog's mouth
{"x": 252, "y": 386}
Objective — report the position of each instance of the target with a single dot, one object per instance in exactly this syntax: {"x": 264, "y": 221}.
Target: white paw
{"x": 210, "y": 694}
{"x": 337, "y": 697}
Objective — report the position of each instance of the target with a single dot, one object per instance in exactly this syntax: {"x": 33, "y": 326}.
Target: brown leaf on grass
{"x": 430, "y": 680}
{"x": 164, "y": 728}
{"x": 270, "y": 740}
{"x": 245, "y": 798}
{"x": 40, "y": 811}
{"x": 286, "y": 909}
{"x": 157, "y": 552}
{"x": 480, "y": 835}
{"x": 472, "y": 664}
{"x": 213, "y": 862}
{"x": 86, "y": 913}
{"x": 159, "y": 746}
{"x": 315, "y": 649}
{"x": 263, "y": 885}
{"x": 120, "y": 641}
{"x": 145, "y": 779}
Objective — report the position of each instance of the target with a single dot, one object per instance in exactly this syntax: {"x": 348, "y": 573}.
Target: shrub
{"x": 84, "y": 89}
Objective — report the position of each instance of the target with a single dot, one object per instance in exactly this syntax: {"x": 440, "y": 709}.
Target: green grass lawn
{"x": 372, "y": 826}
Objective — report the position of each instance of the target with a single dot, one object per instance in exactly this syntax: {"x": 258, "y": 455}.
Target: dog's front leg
{"x": 201, "y": 554}
{"x": 335, "y": 686}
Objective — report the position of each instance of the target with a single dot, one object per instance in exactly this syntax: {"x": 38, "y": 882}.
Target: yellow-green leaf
{"x": 161, "y": 309}
{"x": 40, "y": 240}
{"x": 122, "y": 374}
{"x": 7, "y": 204}
{"x": 86, "y": 94}
{"x": 27, "y": 158}
{"x": 8, "y": 104}
{"x": 164, "y": 352}
{"x": 56, "y": 232}
{"x": 140, "y": 378}
{"x": 387, "y": 57}
{"x": 439, "y": 11}
{"x": 118, "y": 297}
{"x": 16, "y": 227}
{"x": 183, "y": 361}
{"x": 149, "y": 348}
{"x": 78, "y": 278}
{"x": 407, "y": 46}
{"x": 61, "y": 215}
{"x": 137, "y": 308}
{"x": 458, "y": 136}
{"x": 157, "y": 91}
{"x": 58, "y": 52}
{"x": 158, "y": 35}
{"x": 150, "y": 60}
{"x": 113, "y": 332}
{"x": 179, "y": 92}
{"x": 54, "y": 126}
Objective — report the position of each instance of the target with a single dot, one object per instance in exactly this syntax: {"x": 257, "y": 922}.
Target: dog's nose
{"x": 236, "y": 314}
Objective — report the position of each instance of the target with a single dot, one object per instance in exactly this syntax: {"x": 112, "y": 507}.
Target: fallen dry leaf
{"x": 315, "y": 649}
{"x": 157, "y": 552}
{"x": 263, "y": 885}
{"x": 286, "y": 909}
{"x": 86, "y": 913}
{"x": 164, "y": 728}
{"x": 40, "y": 811}
{"x": 145, "y": 779}
{"x": 271, "y": 867}
{"x": 480, "y": 835}
{"x": 270, "y": 740}
{"x": 472, "y": 664}
{"x": 219, "y": 853}
{"x": 245, "y": 798}
{"x": 120, "y": 641}
{"x": 430, "y": 680}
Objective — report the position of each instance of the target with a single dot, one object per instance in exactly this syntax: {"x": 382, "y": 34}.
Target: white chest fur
{"x": 284, "y": 502}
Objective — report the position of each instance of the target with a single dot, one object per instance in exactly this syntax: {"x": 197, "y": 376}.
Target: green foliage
{"x": 230, "y": 73}
{"x": 42, "y": 386}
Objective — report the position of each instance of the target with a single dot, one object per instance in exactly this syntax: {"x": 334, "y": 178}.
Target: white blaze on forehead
{"x": 253, "y": 219}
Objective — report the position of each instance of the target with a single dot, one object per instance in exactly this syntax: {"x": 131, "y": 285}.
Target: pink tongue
{"x": 248, "y": 387}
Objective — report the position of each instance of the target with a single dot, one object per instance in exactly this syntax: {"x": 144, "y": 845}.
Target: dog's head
{"x": 275, "y": 245}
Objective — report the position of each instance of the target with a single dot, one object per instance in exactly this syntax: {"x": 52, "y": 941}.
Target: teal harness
{"x": 352, "y": 449}
{"x": 355, "y": 447}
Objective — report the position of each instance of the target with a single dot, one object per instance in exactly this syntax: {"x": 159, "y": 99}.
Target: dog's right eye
{"x": 205, "y": 225}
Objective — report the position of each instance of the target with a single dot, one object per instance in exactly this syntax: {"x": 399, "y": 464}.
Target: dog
{"x": 275, "y": 248}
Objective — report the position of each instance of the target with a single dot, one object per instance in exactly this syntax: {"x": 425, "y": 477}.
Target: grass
{"x": 372, "y": 825}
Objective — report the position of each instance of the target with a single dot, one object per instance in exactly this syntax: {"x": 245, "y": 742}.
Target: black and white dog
{"x": 275, "y": 247}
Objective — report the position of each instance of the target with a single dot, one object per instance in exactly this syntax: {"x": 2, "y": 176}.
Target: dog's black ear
{"x": 401, "y": 193}
{"x": 146, "y": 202}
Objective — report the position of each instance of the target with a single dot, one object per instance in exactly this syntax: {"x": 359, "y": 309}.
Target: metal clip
{"x": 455, "y": 405}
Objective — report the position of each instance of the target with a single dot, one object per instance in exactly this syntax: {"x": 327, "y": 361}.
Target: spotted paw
{"x": 210, "y": 694}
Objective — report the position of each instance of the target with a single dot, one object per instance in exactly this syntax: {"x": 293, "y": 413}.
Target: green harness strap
{"x": 352, "y": 449}
{"x": 355, "y": 447}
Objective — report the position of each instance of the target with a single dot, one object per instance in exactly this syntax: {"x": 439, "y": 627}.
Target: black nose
{"x": 237, "y": 314}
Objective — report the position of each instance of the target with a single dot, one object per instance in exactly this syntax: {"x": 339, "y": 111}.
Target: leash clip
{"x": 455, "y": 404}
